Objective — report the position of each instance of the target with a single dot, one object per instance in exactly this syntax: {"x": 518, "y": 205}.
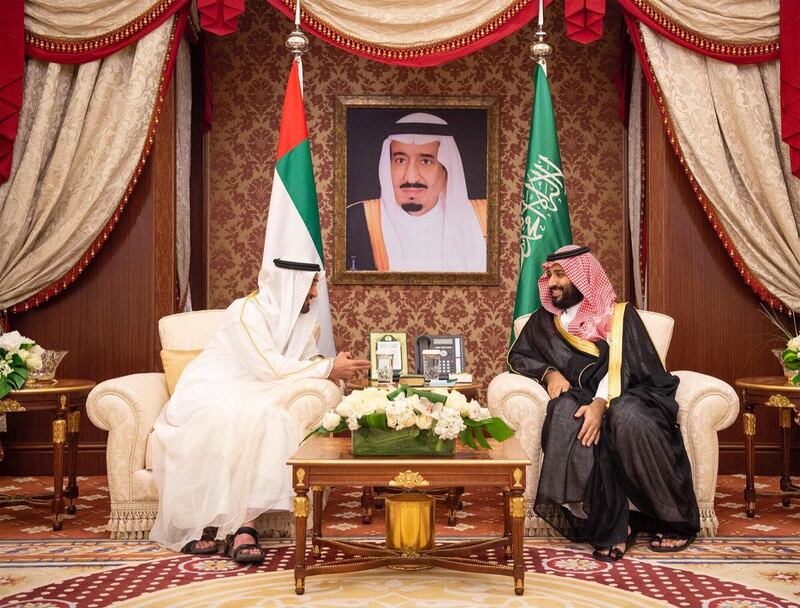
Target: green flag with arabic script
{"x": 545, "y": 215}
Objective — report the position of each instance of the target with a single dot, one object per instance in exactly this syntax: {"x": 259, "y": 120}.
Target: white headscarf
{"x": 450, "y": 233}
{"x": 282, "y": 292}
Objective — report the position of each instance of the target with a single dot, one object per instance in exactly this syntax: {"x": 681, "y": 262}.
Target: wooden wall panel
{"x": 719, "y": 329}
{"x": 107, "y": 319}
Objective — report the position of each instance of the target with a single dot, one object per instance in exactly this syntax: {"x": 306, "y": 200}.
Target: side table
{"x": 468, "y": 389}
{"x": 64, "y": 398}
{"x": 777, "y": 392}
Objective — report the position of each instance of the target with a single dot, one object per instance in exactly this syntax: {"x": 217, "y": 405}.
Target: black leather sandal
{"x": 614, "y": 554}
{"x": 191, "y": 547}
{"x": 243, "y": 553}
{"x": 656, "y": 543}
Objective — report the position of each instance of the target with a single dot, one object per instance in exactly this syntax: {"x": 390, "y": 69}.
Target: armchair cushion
{"x": 174, "y": 362}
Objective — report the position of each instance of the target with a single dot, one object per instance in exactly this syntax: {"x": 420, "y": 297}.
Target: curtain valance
{"x": 417, "y": 33}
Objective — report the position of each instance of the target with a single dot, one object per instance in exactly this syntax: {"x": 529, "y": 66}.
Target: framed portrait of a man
{"x": 416, "y": 191}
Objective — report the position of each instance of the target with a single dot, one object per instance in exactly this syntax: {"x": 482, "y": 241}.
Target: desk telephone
{"x": 451, "y": 348}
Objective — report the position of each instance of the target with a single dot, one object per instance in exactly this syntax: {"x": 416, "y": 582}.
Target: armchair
{"x": 127, "y": 407}
{"x": 706, "y": 405}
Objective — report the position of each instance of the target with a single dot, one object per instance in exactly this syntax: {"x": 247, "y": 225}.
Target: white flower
{"x": 345, "y": 409}
{"x": 400, "y": 415}
{"x": 352, "y": 423}
{"x": 12, "y": 340}
{"x": 476, "y": 412}
{"x": 424, "y": 421}
{"x": 5, "y": 368}
{"x": 37, "y": 350}
{"x": 34, "y": 362}
{"x": 331, "y": 420}
{"x": 794, "y": 344}
{"x": 457, "y": 401}
{"x": 449, "y": 424}
{"x": 24, "y": 354}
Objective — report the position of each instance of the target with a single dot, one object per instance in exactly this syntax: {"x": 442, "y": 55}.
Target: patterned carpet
{"x": 754, "y": 563}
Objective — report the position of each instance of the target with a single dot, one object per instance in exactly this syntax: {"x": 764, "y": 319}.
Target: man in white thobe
{"x": 220, "y": 444}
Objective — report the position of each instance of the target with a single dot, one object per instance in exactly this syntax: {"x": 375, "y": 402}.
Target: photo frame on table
{"x": 393, "y": 342}
{"x": 416, "y": 195}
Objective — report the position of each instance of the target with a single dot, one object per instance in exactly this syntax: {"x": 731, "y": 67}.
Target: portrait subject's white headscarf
{"x": 447, "y": 238}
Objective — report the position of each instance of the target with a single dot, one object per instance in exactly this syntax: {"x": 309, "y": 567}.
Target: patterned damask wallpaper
{"x": 249, "y": 71}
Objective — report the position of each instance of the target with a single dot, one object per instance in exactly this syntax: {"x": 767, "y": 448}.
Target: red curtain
{"x": 12, "y": 67}
{"x": 584, "y": 19}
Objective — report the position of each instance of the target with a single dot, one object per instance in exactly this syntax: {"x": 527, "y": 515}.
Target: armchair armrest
{"x": 706, "y": 405}
{"x": 126, "y": 407}
{"x": 307, "y": 400}
{"x": 522, "y": 403}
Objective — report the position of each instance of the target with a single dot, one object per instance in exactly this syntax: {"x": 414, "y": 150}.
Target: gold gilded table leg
{"x": 316, "y": 524}
{"x": 73, "y": 428}
{"x": 300, "y": 517}
{"x": 516, "y": 510}
{"x": 749, "y": 423}
{"x": 785, "y": 421}
{"x": 59, "y": 437}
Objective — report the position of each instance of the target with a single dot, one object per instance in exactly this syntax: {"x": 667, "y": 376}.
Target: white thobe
{"x": 220, "y": 444}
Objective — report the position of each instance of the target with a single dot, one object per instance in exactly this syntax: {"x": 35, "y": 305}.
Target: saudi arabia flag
{"x": 293, "y": 222}
{"x": 545, "y": 216}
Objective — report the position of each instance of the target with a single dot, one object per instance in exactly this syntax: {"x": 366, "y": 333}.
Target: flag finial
{"x": 297, "y": 42}
{"x": 539, "y": 50}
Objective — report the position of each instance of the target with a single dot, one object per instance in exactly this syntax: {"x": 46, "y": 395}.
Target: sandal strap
{"x": 247, "y": 530}
{"x": 238, "y": 550}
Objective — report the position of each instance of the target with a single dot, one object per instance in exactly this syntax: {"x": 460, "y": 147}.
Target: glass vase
{"x": 788, "y": 373}
{"x": 406, "y": 442}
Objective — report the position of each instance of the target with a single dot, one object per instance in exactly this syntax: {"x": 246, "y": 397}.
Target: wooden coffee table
{"x": 327, "y": 461}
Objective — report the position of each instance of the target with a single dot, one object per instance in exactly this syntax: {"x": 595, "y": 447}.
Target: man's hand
{"x": 344, "y": 366}
{"x": 592, "y": 417}
{"x": 556, "y": 383}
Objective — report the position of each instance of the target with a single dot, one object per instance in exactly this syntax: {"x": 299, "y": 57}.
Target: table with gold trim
{"x": 776, "y": 392}
{"x": 326, "y": 461}
{"x": 64, "y": 398}
{"x": 468, "y": 389}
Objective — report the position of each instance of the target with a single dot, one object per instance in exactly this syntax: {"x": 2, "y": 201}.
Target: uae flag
{"x": 545, "y": 216}
{"x": 293, "y": 221}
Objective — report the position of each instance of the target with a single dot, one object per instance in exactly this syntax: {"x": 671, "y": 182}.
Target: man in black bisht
{"x": 614, "y": 460}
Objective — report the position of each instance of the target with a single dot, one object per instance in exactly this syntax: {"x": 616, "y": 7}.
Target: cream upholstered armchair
{"x": 706, "y": 405}
{"x": 127, "y": 407}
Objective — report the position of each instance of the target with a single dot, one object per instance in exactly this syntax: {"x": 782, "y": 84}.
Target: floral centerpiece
{"x": 412, "y": 422}
{"x": 789, "y": 355}
{"x": 18, "y": 356}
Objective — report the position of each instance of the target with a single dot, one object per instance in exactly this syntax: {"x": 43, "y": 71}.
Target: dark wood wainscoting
{"x": 719, "y": 329}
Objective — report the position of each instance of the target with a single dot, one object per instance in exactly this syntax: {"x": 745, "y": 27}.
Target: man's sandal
{"x": 209, "y": 534}
{"x": 656, "y": 542}
{"x": 614, "y": 554}
{"x": 243, "y": 554}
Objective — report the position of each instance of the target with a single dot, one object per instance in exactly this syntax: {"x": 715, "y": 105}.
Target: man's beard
{"x": 412, "y": 207}
{"x": 569, "y": 297}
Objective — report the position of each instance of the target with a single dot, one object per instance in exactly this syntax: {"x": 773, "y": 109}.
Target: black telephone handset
{"x": 453, "y": 360}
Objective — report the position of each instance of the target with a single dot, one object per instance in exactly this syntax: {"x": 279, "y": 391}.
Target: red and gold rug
{"x": 754, "y": 563}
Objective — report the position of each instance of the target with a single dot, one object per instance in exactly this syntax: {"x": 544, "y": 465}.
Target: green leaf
{"x": 466, "y": 439}
{"x": 376, "y": 420}
{"x": 16, "y": 361}
{"x": 430, "y": 396}
{"x": 16, "y": 380}
{"x": 26, "y": 346}
{"x": 321, "y": 430}
{"x": 401, "y": 390}
{"x": 4, "y": 387}
{"x": 481, "y": 439}
{"x": 498, "y": 429}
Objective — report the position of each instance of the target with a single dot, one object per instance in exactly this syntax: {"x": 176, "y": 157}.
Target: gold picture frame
{"x": 361, "y": 126}
{"x": 398, "y": 339}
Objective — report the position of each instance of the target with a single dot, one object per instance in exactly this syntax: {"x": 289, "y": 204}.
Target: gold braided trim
{"x": 70, "y": 45}
{"x": 615, "y": 352}
{"x": 396, "y": 53}
{"x": 747, "y": 49}
{"x": 590, "y": 348}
